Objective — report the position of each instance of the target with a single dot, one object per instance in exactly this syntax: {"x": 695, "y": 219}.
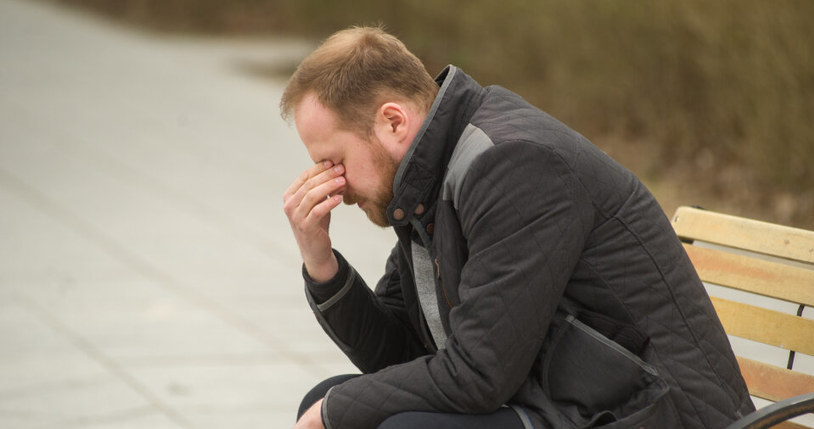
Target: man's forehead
{"x": 309, "y": 110}
{"x": 316, "y": 126}
{"x": 312, "y": 119}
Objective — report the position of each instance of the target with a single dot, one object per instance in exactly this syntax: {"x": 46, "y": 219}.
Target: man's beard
{"x": 376, "y": 206}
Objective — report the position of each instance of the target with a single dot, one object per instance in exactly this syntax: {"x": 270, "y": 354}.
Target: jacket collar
{"x": 418, "y": 178}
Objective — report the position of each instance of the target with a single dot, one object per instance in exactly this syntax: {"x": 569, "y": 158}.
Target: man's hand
{"x": 308, "y": 203}
{"x": 312, "y": 419}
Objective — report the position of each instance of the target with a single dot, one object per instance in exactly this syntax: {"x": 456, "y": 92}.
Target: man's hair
{"x": 354, "y": 71}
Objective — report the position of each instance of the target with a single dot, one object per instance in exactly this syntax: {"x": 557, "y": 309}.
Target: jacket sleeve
{"x": 526, "y": 217}
{"x": 372, "y": 329}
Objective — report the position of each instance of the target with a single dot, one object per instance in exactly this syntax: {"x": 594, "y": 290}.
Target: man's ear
{"x": 393, "y": 128}
{"x": 392, "y": 122}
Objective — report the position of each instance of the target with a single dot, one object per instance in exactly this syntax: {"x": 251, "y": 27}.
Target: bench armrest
{"x": 780, "y": 411}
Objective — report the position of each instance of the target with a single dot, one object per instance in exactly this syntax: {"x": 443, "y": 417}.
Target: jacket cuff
{"x": 324, "y": 291}
{"x": 324, "y": 410}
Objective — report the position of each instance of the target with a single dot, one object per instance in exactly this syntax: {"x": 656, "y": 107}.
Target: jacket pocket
{"x": 596, "y": 383}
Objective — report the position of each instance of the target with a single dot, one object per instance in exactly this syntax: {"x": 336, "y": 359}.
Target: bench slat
{"x": 789, "y": 425}
{"x": 766, "y": 326}
{"x": 773, "y": 382}
{"x": 763, "y": 259}
{"x": 765, "y": 278}
{"x": 747, "y": 234}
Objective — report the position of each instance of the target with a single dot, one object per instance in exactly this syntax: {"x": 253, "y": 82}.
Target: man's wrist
{"x": 312, "y": 419}
{"x": 321, "y": 273}
{"x": 323, "y": 291}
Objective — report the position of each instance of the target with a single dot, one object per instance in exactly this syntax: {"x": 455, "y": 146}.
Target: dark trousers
{"x": 504, "y": 418}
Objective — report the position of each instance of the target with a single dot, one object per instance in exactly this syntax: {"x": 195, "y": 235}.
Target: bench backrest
{"x": 757, "y": 260}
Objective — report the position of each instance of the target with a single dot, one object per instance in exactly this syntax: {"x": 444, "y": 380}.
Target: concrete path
{"x": 147, "y": 275}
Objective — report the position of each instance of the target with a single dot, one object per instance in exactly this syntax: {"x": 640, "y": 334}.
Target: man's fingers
{"x": 297, "y": 184}
{"x": 306, "y": 175}
{"x": 315, "y": 199}
{"x": 313, "y": 190}
{"x": 316, "y": 214}
{"x": 317, "y": 203}
{"x": 322, "y": 190}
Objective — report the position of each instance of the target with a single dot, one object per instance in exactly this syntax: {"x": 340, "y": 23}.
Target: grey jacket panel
{"x": 473, "y": 143}
{"x": 551, "y": 260}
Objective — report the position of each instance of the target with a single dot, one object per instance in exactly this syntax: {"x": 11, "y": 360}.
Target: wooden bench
{"x": 760, "y": 277}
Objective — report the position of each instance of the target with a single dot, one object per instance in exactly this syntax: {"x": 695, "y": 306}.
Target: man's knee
{"x": 320, "y": 390}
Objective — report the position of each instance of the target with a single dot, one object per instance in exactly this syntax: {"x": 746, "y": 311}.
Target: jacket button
{"x": 398, "y": 214}
{"x": 419, "y": 210}
{"x": 430, "y": 228}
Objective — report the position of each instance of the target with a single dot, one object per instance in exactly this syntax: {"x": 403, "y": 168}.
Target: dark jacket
{"x": 561, "y": 285}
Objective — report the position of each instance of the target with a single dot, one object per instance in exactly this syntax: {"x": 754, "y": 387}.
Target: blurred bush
{"x": 718, "y": 96}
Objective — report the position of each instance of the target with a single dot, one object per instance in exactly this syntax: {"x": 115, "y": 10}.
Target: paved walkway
{"x": 147, "y": 275}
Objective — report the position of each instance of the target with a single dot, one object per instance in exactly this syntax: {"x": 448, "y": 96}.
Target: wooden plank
{"x": 752, "y": 274}
{"x": 757, "y": 276}
{"x": 766, "y": 326}
{"x": 747, "y": 234}
{"x": 773, "y": 382}
{"x": 789, "y": 425}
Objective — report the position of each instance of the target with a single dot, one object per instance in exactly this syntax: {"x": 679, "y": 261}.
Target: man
{"x": 535, "y": 283}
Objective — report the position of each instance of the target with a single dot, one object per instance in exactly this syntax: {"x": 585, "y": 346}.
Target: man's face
{"x": 369, "y": 168}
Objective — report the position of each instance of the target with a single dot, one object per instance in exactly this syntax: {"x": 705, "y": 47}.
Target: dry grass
{"x": 712, "y": 100}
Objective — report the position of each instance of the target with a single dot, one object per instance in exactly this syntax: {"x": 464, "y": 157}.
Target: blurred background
{"x": 148, "y": 278}
{"x": 710, "y": 102}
